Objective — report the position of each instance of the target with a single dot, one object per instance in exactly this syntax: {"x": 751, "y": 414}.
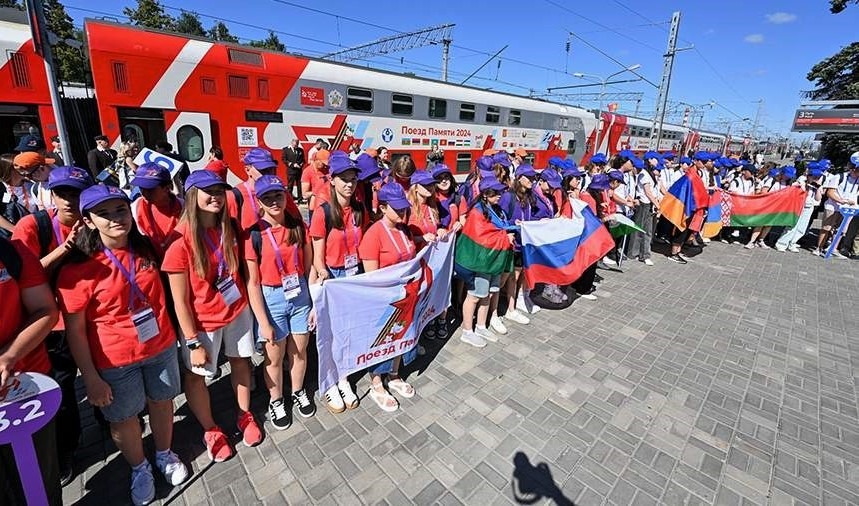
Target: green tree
{"x": 68, "y": 47}
{"x": 150, "y": 14}
{"x": 189, "y": 22}
{"x": 11, "y": 3}
{"x": 271, "y": 42}
{"x": 219, "y": 31}
{"x": 836, "y": 6}
{"x": 837, "y": 78}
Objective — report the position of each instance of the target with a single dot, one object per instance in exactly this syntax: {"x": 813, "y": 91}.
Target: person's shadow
{"x": 531, "y": 483}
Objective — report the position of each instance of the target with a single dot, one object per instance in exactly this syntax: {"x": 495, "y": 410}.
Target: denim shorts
{"x": 340, "y": 272}
{"x": 478, "y": 285}
{"x": 156, "y": 378}
{"x": 287, "y": 316}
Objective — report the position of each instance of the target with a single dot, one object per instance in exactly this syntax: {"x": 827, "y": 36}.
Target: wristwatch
{"x": 193, "y": 345}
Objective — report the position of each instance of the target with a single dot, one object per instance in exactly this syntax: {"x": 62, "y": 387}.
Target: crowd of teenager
{"x": 151, "y": 292}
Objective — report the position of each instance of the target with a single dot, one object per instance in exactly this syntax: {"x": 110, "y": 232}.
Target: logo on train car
{"x": 387, "y": 135}
{"x": 335, "y": 99}
{"x": 312, "y": 97}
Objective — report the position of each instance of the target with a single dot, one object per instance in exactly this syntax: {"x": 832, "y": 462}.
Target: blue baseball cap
{"x": 774, "y": 172}
{"x": 98, "y": 193}
{"x": 260, "y": 159}
{"x": 749, "y": 167}
{"x": 501, "y": 158}
{"x": 551, "y": 177}
{"x": 439, "y": 169}
{"x": 339, "y": 163}
{"x": 627, "y": 153}
{"x": 668, "y": 156}
{"x": 815, "y": 172}
{"x": 685, "y": 160}
{"x": 526, "y": 169}
{"x": 555, "y": 160}
{"x": 789, "y": 172}
{"x": 393, "y": 195}
{"x": 616, "y": 175}
{"x": 491, "y": 183}
{"x": 150, "y": 175}
{"x": 702, "y": 156}
{"x": 204, "y": 179}
{"x": 484, "y": 164}
{"x": 567, "y": 164}
{"x": 637, "y": 162}
{"x": 854, "y": 158}
{"x": 368, "y": 168}
{"x": 572, "y": 171}
{"x": 599, "y": 158}
{"x": 73, "y": 177}
{"x": 599, "y": 182}
{"x": 652, "y": 154}
{"x": 30, "y": 142}
{"x": 660, "y": 165}
{"x": 268, "y": 183}
{"x": 422, "y": 177}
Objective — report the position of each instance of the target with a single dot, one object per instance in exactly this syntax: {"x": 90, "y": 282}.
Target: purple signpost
{"x": 27, "y": 403}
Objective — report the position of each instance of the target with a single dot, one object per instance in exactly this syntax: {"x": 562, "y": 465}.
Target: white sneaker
{"x": 470, "y": 337}
{"x": 837, "y": 254}
{"x": 608, "y": 261}
{"x": 588, "y": 296}
{"x": 497, "y": 325}
{"x": 515, "y": 316}
{"x": 763, "y": 245}
{"x": 793, "y": 248}
{"x": 816, "y": 252}
{"x": 525, "y": 302}
{"x": 333, "y": 400}
{"x": 705, "y": 240}
{"x": 485, "y": 334}
{"x": 648, "y": 261}
{"x": 142, "y": 485}
{"x": 171, "y": 467}
{"x": 349, "y": 397}
{"x": 750, "y": 245}
{"x": 781, "y": 248}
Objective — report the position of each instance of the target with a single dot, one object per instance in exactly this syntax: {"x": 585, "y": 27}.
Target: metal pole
{"x": 665, "y": 84}
{"x": 40, "y": 39}
{"x": 727, "y": 140}
{"x": 599, "y": 119}
{"x": 757, "y": 117}
{"x": 445, "y": 58}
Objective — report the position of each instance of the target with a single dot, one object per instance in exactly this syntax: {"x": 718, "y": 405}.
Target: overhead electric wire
{"x": 597, "y": 23}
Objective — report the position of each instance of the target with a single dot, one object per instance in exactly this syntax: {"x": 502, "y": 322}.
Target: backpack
{"x": 13, "y": 211}
{"x": 10, "y": 258}
{"x": 45, "y": 231}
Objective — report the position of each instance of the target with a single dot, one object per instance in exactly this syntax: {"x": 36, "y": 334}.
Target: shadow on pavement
{"x": 531, "y": 483}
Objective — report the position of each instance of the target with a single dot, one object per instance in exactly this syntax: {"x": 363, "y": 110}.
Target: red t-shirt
{"x": 386, "y": 246}
{"x": 98, "y": 288}
{"x": 291, "y": 255}
{"x": 210, "y": 312}
{"x": 250, "y": 208}
{"x": 27, "y": 233}
{"x": 320, "y": 185}
{"x": 159, "y": 224}
{"x": 32, "y": 275}
{"x": 338, "y": 243}
{"x": 426, "y": 224}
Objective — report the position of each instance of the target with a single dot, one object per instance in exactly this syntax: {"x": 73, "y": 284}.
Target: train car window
{"x": 401, "y": 105}
{"x": 359, "y": 99}
{"x": 190, "y": 140}
{"x": 463, "y": 162}
{"x": 466, "y": 112}
{"x": 565, "y": 123}
{"x": 239, "y": 86}
{"x": 514, "y": 118}
{"x": 493, "y": 114}
{"x": 437, "y": 108}
{"x": 571, "y": 146}
{"x": 262, "y": 89}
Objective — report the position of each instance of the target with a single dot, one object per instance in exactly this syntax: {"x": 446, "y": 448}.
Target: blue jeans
{"x": 287, "y": 316}
{"x": 792, "y": 236}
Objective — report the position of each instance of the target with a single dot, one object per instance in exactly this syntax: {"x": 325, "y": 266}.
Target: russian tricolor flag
{"x": 558, "y": 251}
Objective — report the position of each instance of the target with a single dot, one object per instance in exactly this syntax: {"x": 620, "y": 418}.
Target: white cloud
{"x": 778, "y": 18}
{"x": 754, "y": 38}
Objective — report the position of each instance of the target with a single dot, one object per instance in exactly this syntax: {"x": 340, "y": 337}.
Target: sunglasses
{"x": 27, "y": 172}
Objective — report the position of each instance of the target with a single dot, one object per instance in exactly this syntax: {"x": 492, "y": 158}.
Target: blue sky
{"x": 744, "y": 51}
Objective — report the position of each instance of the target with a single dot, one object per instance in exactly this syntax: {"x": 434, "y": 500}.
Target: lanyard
{"x": 136, "y": 293}
{"x": 277, "y": 256}
{"x": 432, "y": 222}
{"x": 400, "y": 253}
{"x": 222, "y": 263}
{"x": 58, "y": 235}
{"x": 354, "y": 233}
{"x": 26, "y": 198}
{"x": 852, "y": 187}
{"x": 252, "y": 199}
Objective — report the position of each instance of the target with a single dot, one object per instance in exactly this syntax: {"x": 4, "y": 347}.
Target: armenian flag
{"x": 686, "y": 196}
{"x": 777, "y": 209}
{"x": 483, "y": 246}
{"x": 559, "y": 250}
{"x": 713, "y": 223}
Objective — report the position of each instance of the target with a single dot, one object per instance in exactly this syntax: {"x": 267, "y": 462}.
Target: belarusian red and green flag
{"x": 775, "y": 209}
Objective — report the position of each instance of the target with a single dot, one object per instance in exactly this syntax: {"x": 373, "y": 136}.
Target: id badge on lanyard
{"x": 291, "y": 283}
{"x": 401, "y": 255}
{"x": 145, "y": 323}
{"x": 350, "y": 262}
{"x": 228, "y": 290}
{"x": 291, "y": 286}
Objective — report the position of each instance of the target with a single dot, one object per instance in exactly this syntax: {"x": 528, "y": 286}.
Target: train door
{"x": 191, "y": 136}
{"x": 146, "y": 124}
{"x": 15, "y": 122}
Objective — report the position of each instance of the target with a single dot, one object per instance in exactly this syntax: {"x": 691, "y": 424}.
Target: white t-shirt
{"x": 670, "y": 176}
{"x": 846, "y": 185}
{"x": 644, "y": 178}
{"x": 811, "y": 197}
{"x": 742, "y": 186}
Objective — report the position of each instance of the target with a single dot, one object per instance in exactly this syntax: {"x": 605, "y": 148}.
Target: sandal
{"x": 383, "y": 399}
{"x": 441, "y": 331}
{"x": 401, "y": 387}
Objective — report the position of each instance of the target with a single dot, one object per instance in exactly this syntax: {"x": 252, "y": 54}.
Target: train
{"x": 198, "y": 93}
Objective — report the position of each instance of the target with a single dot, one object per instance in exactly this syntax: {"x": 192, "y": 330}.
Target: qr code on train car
{"x": 247, "y": 137}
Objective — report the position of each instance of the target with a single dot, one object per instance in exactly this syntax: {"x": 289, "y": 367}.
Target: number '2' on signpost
{"x": 27, "y": 403}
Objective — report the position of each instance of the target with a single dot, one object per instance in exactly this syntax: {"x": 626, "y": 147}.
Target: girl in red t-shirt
{"x": 158, "y": 212}
{"x": 278, "y": 257}
{"x": 120, "y": 334}
{"x": 336, "y": 229}
{"x": 204, "y": 270}
{"x": 388, "y": 242}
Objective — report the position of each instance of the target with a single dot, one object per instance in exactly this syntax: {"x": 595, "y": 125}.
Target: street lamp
{"x": 728, "y": 134}
{"x": 603, "y": 82}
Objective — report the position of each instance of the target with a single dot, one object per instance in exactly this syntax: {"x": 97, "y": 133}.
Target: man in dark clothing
{"x": 293, "y": 158}
{"x": 101, "y": 157}
{"x": 56, "y": 151}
